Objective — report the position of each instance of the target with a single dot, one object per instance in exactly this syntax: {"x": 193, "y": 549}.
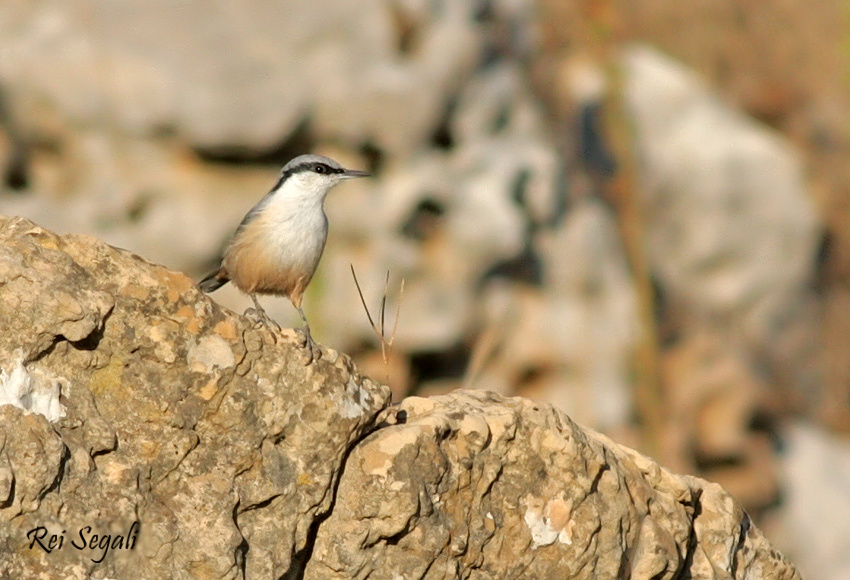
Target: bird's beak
{"x": 351, "y": 173}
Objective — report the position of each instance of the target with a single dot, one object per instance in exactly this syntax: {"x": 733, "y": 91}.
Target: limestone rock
{"x": 148, "y": 197}
{"x": 174, "y": 413}
{"x": 474, "y": 485}
{"x": 150, "y": 66}
{"x": 576, "y": 335}
{"x": 135, "y": 408}
{"x": 815, "y": 473}
{"x": 733, "y": 232}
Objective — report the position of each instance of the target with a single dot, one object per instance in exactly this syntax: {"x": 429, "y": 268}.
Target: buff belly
{"x": 274, "y": 259}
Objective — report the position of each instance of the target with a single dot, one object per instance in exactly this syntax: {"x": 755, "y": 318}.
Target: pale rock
{"x": 475, "y": 485}
{"x": 36, "y": 394}
{"x": 184, "y": 418}
{"x": 178, "y": 415}
{"x": 731, "y": 229}
{"x": 497, "y": 101}
{"x": 712, "y": 396}
{"x": 579, "y": 331}
{"x": 148, "y": 199}
{"x": 154, "y": 65}
{"x": 815, "y": 475}
{"x": 484, "y": 219}
{"x": 477, "y": 224}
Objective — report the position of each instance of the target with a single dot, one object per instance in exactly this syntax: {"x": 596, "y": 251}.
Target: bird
{"x": 278, "y": 245}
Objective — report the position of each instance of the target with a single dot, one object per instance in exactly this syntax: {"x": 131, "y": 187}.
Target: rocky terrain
{"x": 201, "y": 446}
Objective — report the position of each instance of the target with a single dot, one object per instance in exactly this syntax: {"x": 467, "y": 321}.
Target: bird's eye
{"x": 321, "y": 168}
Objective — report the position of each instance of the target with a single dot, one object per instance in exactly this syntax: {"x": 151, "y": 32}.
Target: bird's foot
{"x": 260, "y": 318}
{"x": 312, "y": 349}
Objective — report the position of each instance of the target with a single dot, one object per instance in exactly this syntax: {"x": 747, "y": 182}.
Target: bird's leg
{"x": 259, "y": 314}
{"x": 307, "y": 342}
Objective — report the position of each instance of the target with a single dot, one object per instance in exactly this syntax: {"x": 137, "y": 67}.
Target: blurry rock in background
{"x": 491, "y": 128}
{"x": 816, "y": 506}
{"x": 719, "y": 420}
{"x": 732, "y": 237}
{"x": 733, "y": 234}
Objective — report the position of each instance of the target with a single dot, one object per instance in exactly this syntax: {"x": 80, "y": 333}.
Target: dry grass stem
{"x": 386, "y": 343}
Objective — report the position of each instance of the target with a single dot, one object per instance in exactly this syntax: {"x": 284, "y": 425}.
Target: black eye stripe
{"x": 308, "y": 166}
{"x": 325, "y": 169}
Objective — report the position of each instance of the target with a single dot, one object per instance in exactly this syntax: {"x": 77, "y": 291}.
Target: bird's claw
{"x": 260, "y": 318}
{"x": 312, "y": 349}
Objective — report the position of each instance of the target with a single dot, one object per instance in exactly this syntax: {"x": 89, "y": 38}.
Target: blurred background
{"x": 637, "y": 211}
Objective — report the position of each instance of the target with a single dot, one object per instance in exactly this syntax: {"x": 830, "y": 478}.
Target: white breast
{"x": 295, "y": 229}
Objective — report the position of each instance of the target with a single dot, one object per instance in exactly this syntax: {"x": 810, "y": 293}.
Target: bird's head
{"x": 313, "y": 176}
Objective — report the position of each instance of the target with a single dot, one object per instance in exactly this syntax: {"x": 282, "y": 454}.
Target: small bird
{"x": 277, "y": 247}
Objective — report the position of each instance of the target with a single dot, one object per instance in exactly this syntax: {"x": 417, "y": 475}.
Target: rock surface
{"x": 474, "y": 485}
{"x": 172, "y": 412}
{"x": 815, "y": 477}
{"x": 147, "y": 66}
{"x": 131, "y": 397}
{"x": 733, "y": 232}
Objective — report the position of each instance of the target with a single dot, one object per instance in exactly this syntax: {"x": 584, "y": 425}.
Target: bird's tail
{"x": 214, "y": 281}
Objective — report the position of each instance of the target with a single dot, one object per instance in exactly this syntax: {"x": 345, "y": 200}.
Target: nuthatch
{"x": 279, "y": 243}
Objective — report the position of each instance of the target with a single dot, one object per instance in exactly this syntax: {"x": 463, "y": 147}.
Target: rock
{"x": 174, "y": 413}
{"x": 496, "y": 101}
{"x": 815, "y": 469}
{"x": 151, "y": 198}
{"x": 444, "y": 219}
{"x": 474, "y": 485}
{"x": 576, "y": 334}
{"x": 733, "y": 234}
{"x": 32, "y": 457}
{"x": 373, "y": 87}
{"x": 713, "y": 397}
{"x": 202, "y": 447}
{"x": 154, "y": 66}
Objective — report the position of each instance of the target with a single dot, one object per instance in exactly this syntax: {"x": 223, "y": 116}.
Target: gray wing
{"x": 253, "y": 214}
{"x": 257, "y": 209}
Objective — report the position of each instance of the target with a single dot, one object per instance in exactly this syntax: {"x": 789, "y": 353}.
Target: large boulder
{"x": 134, "y": 408}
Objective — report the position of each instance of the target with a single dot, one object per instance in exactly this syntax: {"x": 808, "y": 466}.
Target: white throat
{"x": 307, "y": 188}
